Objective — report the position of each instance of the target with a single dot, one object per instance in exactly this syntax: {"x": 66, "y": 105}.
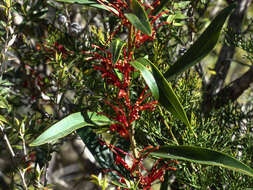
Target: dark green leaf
{"x": 138, "y": 18}
{"x": 160, "y": 7}
{"x": 147, "y": 75}
{"x": 202, "y": 156}
{"x": 116, "y": 46}
{"x": 68, "y": 125}
{"x": 167, "y": 97}
{"x": 102, "y": 154}
{"x": 204, "y": 44}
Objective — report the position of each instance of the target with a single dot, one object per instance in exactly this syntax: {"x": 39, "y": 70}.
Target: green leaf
{"x": 139, "y": 18}
{"x": 102, "y": 154}
{"x": 90, "y": 3}
{"x": 84, "y": 2}
{"x": 167, "y": 97}
{"x": 181, "y": 5}
{"x": 69, "y": 124}
{"x": 204, "y": 44}
{"x": 202, "y": 156}
{"x": 3, "y": 119}
{"x": 77, "y": 1}
{"x": 116, "y": 46}
{"x": 140, "y": 64}
{"x": 180, "y": 16}
{"x": 160, "y": 7}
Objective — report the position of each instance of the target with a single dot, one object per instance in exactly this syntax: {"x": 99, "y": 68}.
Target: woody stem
{"x": 130, "y": 53}
{"x": 130, "y": 39}
{"x": 168, "y": 127}
{"x": 132, "y": 141}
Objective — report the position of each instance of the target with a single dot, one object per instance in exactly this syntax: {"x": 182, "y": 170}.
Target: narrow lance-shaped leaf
{"x": 148, "y": 77}
{"x": 167, "y": 97}
{"x": 202, "y": 156}
{"x": 84, "y": 2}
{"x": 90, "y": 4}
{"x": 139, "y": 18}
{"x": 3, "y": 119}
{"x": 116, "y": 49}
{"x": 102, "y": 154}
{"x": 204, "y": 44}
{"x": 69, "y": 124}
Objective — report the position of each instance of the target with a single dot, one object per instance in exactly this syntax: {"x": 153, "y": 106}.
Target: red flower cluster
{"x": 125, "y": 113}
{"x": 146, "y": 177}
{"x": 119, "y": 7}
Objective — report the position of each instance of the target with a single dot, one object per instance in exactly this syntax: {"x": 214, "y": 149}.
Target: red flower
{"x": 145, "y": 180}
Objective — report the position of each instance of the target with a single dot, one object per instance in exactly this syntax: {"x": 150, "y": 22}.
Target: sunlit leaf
{"x": 167, "y": 97}
{"x": 90, "y": 3}
{"x": 202, "y": 156}
{"x": 138, "y": 18}
{"x": 69, "y": 124}
{"x": 116, "y": 49}
{"x": 204, "y": 44}
{"x": 3, "y": 119}
{"x": 147, "y": 75}
{"x": 181, "y": 5}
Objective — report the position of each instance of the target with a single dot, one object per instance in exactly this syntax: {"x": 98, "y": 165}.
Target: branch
{"x": 222, "y": 65}
{"x": 13, "y": 157}
{"x": 234, "y": 89}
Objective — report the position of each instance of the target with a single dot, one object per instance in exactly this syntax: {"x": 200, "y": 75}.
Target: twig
{"x": 223, "y": 63}
{"x": 13, "y": 156}
{"x": 133, "y": 142}
{"x": 235, "y": 89}
{"x": 168, "y": 127}
{"x": 7, "y": 142}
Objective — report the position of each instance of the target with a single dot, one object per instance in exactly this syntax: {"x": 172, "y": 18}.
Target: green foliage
{"x": 139, "y": 18}
{"x": 202, "y": 46}
{"x": 69, "y": 124}
{"x": 160, "y": 7}
{"x": 167, "y": 97}
{"x": 141, "y": 65}
{"x": 202, "y": 156}
{"x": 103, "y": 155}
{"x": 116, "y": 47}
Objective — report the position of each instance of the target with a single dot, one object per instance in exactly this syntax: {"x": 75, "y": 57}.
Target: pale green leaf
{"x": 69, "y": 124}
{"x": 140, "y": 64}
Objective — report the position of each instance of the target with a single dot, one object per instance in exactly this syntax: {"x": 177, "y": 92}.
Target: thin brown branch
{"x": 234, "y": 89}
{"x": 133, "y": 142}
{"x": 13, "y": 157}
{"x": 226, "y": 54}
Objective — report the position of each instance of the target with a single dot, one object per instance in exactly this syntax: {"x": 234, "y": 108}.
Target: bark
{"x": 234, "y": 89}
{"x": 214, "y": 86}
